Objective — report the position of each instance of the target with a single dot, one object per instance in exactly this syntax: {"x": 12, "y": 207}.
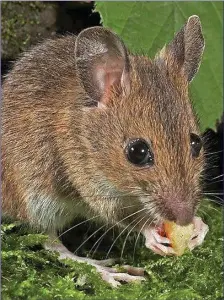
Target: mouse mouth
{"x": 157, "y": 222}
{"x": 158, "y": 225}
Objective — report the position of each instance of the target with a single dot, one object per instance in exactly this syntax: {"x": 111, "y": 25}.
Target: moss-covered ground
{"x": 30, "y": 272}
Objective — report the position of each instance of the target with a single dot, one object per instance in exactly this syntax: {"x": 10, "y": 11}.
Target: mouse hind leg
{"x": 13, "y": 194}
{"x": 108, "y": 273}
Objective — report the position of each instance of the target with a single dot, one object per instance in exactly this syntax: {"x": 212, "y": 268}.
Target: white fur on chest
{"x": 51, "y": 214}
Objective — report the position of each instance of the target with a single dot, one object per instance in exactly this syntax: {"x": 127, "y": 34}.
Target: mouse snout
{"x": 181, "y": 212}
{"x": 181, "y": 215}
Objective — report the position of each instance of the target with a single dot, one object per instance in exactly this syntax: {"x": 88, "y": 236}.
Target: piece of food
{"x": 178, "y": 235}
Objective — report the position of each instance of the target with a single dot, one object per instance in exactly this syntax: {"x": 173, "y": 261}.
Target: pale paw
{"x": 133, "y": 270}
{"x": 106, "y": 262}
{"x": 200, "y": 231}
{"x": 156, "y": 242}
{"x": 113, "y": 276}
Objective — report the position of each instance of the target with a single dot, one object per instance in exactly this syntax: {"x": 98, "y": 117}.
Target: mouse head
{"x": 142, "y": 133}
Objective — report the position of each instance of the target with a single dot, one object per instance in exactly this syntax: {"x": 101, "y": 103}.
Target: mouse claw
{"x": 113, "y": 276}
{"x": 200, "y": 231}
{"x": 133, "y": 270}
{"x": 156, "y": 242}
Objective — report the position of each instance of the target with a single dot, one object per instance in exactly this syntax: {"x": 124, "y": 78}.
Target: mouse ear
{"x": 184, "y": 52}
{"x": 102, "y": 64}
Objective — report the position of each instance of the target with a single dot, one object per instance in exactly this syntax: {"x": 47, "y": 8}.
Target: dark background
{"x": 25, "y": 24}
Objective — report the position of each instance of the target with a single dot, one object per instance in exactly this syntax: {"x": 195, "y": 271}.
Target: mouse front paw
{"x": 156, "y": 242}
{"x": 200, "y": 231}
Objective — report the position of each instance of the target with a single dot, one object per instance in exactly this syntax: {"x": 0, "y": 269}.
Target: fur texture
{"x": 63, "y": 154}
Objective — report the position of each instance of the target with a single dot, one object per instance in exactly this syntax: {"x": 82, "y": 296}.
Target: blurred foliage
{"x": 146, "y": 26}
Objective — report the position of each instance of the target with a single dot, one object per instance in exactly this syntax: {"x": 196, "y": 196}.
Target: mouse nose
{"x": 178, "y": 206}
{"x": 180, "y": 214}
{"x": 184, "y": 217}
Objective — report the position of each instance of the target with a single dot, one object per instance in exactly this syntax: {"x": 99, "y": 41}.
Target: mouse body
{"x": 90, "y": 130}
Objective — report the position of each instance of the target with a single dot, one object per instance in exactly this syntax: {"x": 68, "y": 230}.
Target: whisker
{"x": 96, "y": 245}
{"x": 212, "y": 182}
{"x": 212, "y": 167}
{"x": 114, "y": 226}
{"x": 100, "y": 240}
{"x": 214, "y": 208}
{"x": 90, "y": 237}
{"x": 123, "y": 195}
{"x": 217, "y": 176}
{"x": 124, "y": 243}
{"x": 75, "y": 226}
{"x": 200, "y": 210}
{"x": 212, "y": 153}
{"x": 209, "y": 193}
{"x": 108, "y": 252}
{"x": 139, "y": 235}
{"x": 211, "y": 200}
{"x": 219, "y": 198}
{"x": 129, "y": 206}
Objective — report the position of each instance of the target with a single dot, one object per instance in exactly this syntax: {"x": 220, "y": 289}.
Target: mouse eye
{"x": 196, "y": 145}
{"x": 138, "y": 152}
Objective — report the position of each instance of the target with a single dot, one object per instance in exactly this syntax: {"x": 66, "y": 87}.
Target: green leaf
{"x": 147, "y": 26}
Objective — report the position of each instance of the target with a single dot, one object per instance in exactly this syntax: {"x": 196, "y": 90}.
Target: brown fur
{"x": 55, "y": 146}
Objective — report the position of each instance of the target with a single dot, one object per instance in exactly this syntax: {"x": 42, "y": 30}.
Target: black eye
{"x": 138, "y": 152}
{"x": 196, "y": 145}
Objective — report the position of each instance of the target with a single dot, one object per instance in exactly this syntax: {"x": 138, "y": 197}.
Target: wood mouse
{"x": 91, "y": 130}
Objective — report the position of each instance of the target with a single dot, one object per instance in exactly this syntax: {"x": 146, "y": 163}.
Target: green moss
{"x": 29, "y": 272}
{"x": 20, "y": 25}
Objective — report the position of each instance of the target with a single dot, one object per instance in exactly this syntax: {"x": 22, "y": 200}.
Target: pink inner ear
{"x": 112, "y": 80}
{"x": 109, "y": 77}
